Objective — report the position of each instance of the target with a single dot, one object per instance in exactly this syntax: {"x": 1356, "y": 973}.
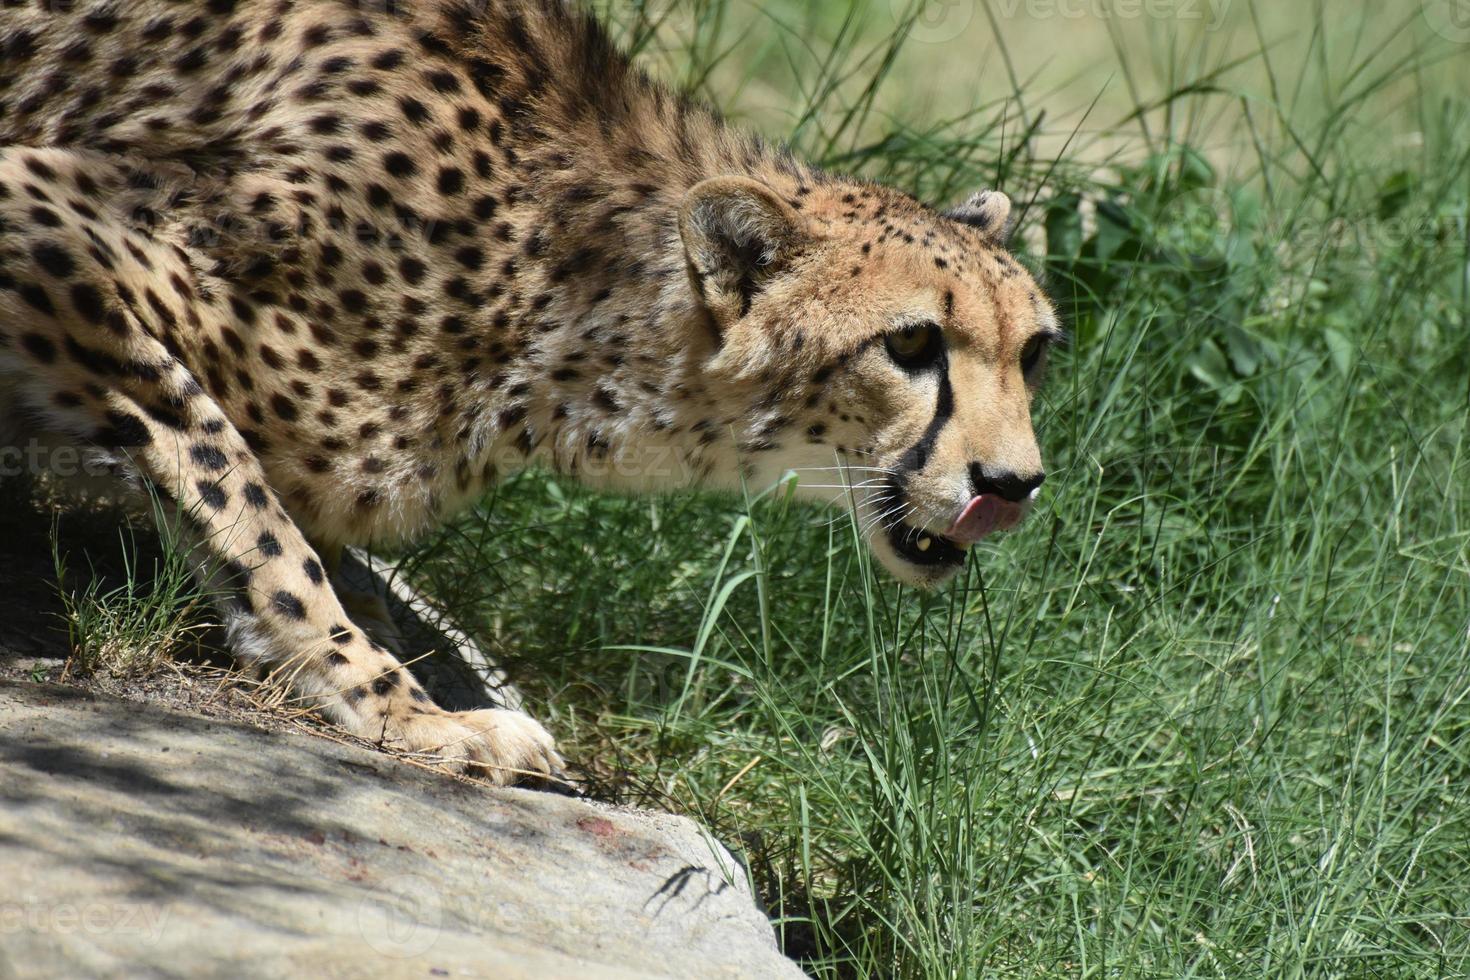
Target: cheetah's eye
{"x": 1032, "y": 352}
{"x": 915, "y": 347}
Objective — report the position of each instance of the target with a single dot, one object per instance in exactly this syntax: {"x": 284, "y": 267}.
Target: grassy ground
{"x": 1208, "y": 714}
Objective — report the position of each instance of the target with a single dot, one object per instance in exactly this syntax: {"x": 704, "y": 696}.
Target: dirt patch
{"x": 195, "y": 688}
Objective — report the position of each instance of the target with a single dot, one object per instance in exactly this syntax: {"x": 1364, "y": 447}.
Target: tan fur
{"x": 321, "y": 271}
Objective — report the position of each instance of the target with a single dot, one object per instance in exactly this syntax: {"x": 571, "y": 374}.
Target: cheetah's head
{"x": 867, "y": 331}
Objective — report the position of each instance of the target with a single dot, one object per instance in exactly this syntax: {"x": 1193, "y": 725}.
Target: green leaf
{"x": 1116, "y": 228}
{"x": 1064, "y": 227}
{"x": 1344, "y": 353}
{"x": 1194, "y": 170}
{"x": 1209, "y": 366}
{"x": 1396, "y": 193}
{"x": 1244, "y": 350}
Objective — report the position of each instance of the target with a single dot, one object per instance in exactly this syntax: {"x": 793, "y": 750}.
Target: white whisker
{"x": 900, "y": 509}
{"x": 866, "y": 484}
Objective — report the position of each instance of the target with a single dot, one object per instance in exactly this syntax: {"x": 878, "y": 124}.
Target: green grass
{"x": 130, "y": 623}
{"x": 1208, "y": 714}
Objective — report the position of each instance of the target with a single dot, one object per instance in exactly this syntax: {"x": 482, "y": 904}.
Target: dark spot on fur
{"x": 39, "y": 347}
{"x": 124, "y": 430}
{"x": 212, "y": 494}
{"x": 288, "y": 605}
{"x": 209, "y": 457}
{"x": 56, "y": 260}
{"x": 256, "y": 496}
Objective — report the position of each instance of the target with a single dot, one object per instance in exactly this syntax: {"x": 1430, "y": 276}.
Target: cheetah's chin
{"x": 934, "y": 554}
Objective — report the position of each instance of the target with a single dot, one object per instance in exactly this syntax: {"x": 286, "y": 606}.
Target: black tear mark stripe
{"x": 917, "y": 457}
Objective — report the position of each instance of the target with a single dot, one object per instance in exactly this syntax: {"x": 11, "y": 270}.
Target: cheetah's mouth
{"x": 916, "y": 546}
{"x": 925, "y": 548}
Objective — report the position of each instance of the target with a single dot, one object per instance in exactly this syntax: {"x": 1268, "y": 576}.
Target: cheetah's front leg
{"x": 368, "y": 609}
{"x": 79, "y": 349}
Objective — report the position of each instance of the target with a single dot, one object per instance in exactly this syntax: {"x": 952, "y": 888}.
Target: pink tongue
{"x": 983, "y": 515}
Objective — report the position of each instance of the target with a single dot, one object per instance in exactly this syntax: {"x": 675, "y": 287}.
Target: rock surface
{"x": 141, "y": 840}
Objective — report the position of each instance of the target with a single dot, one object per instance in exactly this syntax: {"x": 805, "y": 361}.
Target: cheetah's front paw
{"x": 503, "y": 746}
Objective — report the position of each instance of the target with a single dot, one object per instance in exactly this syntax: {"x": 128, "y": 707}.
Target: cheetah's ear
{"x": 738, "y": 235}
{"x": 989, "y": 212}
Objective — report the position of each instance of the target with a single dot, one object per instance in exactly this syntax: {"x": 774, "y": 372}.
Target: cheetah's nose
{"x": 1008, "y": 486}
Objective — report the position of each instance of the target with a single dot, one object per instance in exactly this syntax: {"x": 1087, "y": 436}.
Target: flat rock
{"x": 142, "y": 840}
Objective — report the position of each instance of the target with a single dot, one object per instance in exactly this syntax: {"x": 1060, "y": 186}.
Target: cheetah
{"x": 318, "y": 272}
